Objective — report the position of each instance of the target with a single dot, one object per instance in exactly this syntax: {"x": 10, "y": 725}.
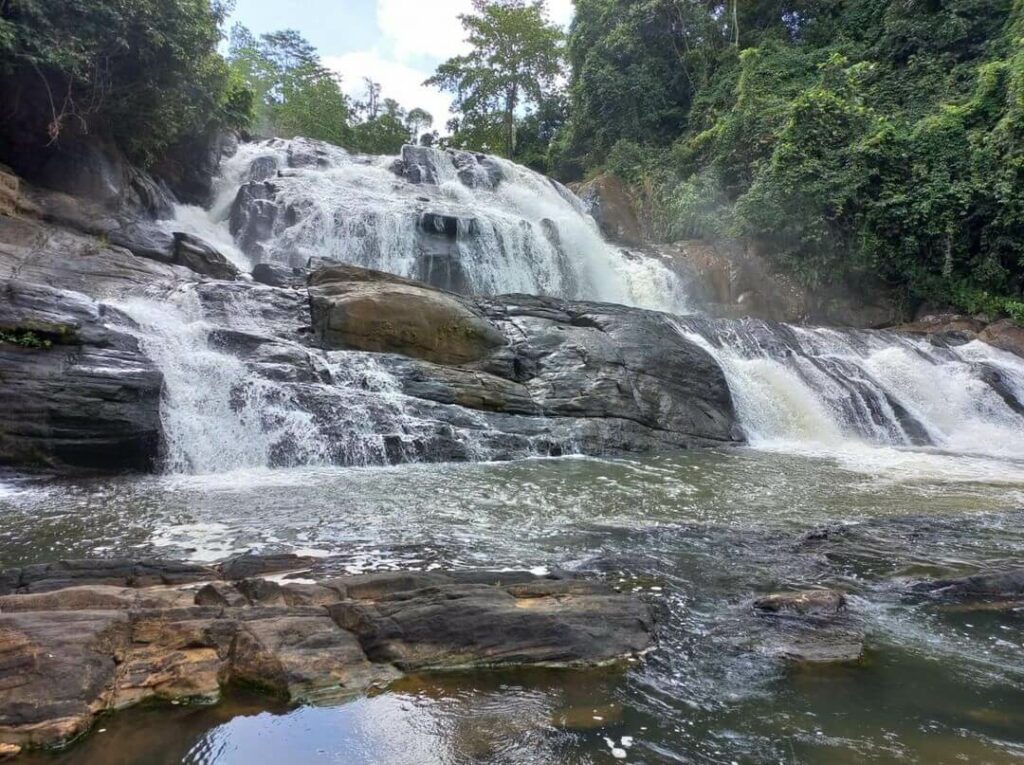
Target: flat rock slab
{"x": 80, "y": 638}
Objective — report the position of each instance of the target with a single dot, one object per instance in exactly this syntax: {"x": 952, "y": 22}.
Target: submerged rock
{"x": 808, "y": 627}
{"x": 988, "y": 586}
{"x": 90, "y": 642}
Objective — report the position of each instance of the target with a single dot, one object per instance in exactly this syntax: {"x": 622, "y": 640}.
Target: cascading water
{"x": 482, "y": 225}
{"x": 471, "y": 223}
{"x": 823, "y": 387}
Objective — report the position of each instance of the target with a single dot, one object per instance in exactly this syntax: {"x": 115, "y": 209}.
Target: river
{"x": 698, "y": 534}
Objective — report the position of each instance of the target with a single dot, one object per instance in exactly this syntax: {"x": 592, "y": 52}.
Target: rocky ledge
{"x": 383, "y": 369}
{"x": 82, "y": 638}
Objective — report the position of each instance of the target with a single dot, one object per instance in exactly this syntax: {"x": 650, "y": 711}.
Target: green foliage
{"x": 854, "y": 139}
{"x": 145, "y": 72}
{"x": 293, "y": 93}
{"x": 515, "y": 58}
{"x": 24, "y": 339}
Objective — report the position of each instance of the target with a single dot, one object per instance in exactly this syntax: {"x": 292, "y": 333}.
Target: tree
{"x": 516, "y": 57}
{"x": 143, "y": 73}
{"x": 295, "y": 94}
{"x": 386, "y": 133}
{"x": 418, "y": 120}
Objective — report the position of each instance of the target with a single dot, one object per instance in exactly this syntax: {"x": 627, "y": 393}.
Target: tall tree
{"x": 295, "y": 93}
{"x": 516, "y": 57}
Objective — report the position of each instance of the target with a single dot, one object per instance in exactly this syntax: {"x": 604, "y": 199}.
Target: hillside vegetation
{"x": 851, "y": 138}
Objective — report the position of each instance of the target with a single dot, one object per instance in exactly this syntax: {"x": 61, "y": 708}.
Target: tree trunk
{"x": 510, "y": 123}
{"x": 736, "y": 22}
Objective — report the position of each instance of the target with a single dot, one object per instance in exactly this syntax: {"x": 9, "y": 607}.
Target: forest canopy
{"x": 853, "y": 139}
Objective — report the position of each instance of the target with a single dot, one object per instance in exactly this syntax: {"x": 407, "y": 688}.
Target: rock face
{"x": 731, "y": 279}
{"x": 607, "y": 199}
{"x": 99, "y": 637}
{"x": 78, "y": 390}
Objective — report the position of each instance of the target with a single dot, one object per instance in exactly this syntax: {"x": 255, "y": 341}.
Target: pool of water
{"x": 698, "y": 535}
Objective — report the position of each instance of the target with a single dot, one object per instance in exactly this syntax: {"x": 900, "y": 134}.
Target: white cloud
{"x": 414, "y": 30}
{"x": 420, "y": 28}
{"x": 398, "y": 81}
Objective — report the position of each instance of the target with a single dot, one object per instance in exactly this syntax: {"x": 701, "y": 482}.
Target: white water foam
{"x": 835, "y": 391}
{"x": 526, "y": 234}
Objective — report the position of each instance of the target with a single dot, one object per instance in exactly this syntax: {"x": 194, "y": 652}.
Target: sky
{"x": 398, "y": 43}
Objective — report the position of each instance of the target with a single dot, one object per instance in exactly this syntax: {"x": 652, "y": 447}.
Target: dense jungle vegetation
{"x": 853, "y": 140}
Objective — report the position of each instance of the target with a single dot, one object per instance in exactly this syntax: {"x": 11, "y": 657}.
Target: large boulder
{"x": 78, "y": 390}
{"x": 200, "y": 256}
{"x": 370, "y": 311}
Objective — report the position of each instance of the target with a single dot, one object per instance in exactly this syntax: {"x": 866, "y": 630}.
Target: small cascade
{"x": 825, "y": 387}
{"x": 466, "y": 222}
{"x": 242, "y": 390}
{"x": 217, "y": 414}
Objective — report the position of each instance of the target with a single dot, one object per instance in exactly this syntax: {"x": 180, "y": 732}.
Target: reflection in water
{"x": 698, "y": 535}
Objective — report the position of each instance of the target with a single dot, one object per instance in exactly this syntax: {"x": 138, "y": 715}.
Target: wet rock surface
{"x": 79, "y": 638}
{"x": 77, "y": 388}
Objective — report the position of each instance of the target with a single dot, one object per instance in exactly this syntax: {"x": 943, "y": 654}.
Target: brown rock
{"x": 70, "y": 653}
{"x": 56, "y": 669}
{"x": 302, "y": 655}
{"x": 808, "y": 602}
{"x": 1006, "y": 335}
{"x": 383, "y": 314}
{"x": 608, "y": 200}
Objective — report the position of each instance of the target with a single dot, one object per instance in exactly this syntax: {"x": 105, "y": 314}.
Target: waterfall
{"x": 826, "y": 387}
{"x": 467, "y": 222}
{"x": 243, "y": 390}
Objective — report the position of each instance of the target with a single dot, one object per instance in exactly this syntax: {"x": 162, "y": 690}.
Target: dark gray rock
{"x": 274, "y": 275}
{"x": 981, "y": 587}
{"x": 254, "y": 214}
{"x": 191, "y": 165}
{"x": 807, "y": 627}
{"x": 250, "y": 565}
{"x": 197, "y": 255}
{"x": 88, "y": 397}
{"x": 467, "y": 625}
{"x": 119, "y": 572}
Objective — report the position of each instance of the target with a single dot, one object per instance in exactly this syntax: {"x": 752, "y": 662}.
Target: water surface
{"x": 697, "y": 534}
